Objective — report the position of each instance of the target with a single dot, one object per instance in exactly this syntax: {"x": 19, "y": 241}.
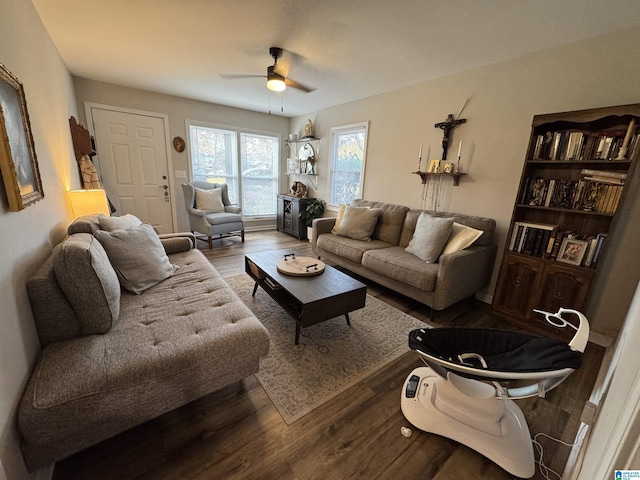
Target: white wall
{"x": 26, "y": 237}
{"x": 588, "y": 74}
{"x": 178, "y": 111}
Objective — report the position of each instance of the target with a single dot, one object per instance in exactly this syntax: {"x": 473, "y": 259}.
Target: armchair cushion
{"x": 137, "y": 271}
{"x": 209, "y": 201}
{"x": 222, "y": 217}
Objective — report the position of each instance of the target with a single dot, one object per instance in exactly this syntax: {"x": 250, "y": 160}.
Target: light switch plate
{"x": 181, "y": 174}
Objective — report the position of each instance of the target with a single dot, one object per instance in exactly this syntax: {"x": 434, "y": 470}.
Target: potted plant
{"x": 314, "y": 209}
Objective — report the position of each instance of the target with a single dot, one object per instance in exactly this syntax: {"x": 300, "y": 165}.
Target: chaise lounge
{"x": 111, "y": 358}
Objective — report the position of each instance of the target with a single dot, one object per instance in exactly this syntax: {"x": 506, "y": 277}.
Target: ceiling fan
{"x": 276, "y": 82}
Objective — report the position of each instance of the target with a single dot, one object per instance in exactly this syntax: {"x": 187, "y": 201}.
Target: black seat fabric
{"x": 503, "y": 351}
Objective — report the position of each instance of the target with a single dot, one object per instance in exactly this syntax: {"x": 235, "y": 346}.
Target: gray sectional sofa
{"x": 112, "y": 359}
{"x": 384, "y": 259}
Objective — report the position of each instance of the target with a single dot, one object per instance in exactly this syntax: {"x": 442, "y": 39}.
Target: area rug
{"x": 331, "y": 356}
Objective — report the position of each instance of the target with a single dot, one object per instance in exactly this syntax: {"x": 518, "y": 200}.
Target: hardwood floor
{"x": 236, "y": 432}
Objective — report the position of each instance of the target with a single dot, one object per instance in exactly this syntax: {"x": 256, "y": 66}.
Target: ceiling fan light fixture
{"x": 275, "y": 81}
{"x": 276, "y": 84}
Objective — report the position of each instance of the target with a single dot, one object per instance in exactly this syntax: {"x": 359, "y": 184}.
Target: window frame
{"x": 335, "y": 131}
{"x": 238, "y": 131}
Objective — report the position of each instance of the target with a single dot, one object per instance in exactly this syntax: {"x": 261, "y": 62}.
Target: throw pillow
{"x": 429, "y": 237}
{"x": 89, "y": 282}
{"x": 461, "y": 238}
{"x": 336, "y": 226}
{"x": 114, "y": 223}
{"x": 137, "y": 256}
{"x": 358, "y": 222}
{"x": 209, "y": 200}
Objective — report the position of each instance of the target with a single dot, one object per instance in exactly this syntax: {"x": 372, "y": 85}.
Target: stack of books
{"x": 545, "y": 241}
{"x": 578, "y": 146}
{"x": 597, "y": 191}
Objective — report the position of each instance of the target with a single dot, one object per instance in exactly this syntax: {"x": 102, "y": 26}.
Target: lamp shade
{"x": 86, "y": 202}
{"x": 275, "y": 81}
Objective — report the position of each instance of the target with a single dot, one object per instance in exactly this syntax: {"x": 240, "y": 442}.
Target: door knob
{"x": 166, "y": 187}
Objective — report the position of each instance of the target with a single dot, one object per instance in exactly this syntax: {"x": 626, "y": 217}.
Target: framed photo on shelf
{"x": 434, "y": 166}
{"x": 572, "y": 251}
{"x": 18, "y": 162}
{"x": 293, "y": 165}
{"x": 448, "y": 168}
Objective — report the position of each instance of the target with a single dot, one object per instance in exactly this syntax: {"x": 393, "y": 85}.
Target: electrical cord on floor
{"x": 544, "y": 470}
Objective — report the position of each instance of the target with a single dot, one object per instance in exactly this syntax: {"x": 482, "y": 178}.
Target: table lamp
{"x": 86, "y": 202}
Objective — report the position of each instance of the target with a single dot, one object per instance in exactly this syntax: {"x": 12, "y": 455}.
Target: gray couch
{"x": 112, "y": 359}
{"x": 384, "y": 260}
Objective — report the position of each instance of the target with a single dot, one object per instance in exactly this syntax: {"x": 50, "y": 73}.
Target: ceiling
{"x": 345, "y": 49}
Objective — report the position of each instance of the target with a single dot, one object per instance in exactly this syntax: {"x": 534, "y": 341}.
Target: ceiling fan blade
{"x": 233, "y": 76}
{"x": 293, "y": 84}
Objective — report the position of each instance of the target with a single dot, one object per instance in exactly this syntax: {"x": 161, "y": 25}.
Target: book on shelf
{"x": 600, "y": 239}
{"x": 575, "y": 145}
{"x": 597, "y": 191}
{"x": 530, "y": 238}
{"x": 603, "y": 173}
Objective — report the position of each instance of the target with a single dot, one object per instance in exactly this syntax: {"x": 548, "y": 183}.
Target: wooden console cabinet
{"x": 288, "y": 218}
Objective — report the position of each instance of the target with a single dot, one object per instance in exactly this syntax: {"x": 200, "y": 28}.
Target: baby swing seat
{"x": 462, "y": 393}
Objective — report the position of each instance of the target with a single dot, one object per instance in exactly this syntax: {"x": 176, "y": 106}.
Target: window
{"x": 347, "y": 163}
{"x": 217, "y": 155}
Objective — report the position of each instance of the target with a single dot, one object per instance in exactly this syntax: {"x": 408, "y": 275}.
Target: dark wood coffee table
{"x": 309, "y": 300}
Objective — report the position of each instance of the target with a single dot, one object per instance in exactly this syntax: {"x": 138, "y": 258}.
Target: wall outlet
{"x": 180, "y": 174}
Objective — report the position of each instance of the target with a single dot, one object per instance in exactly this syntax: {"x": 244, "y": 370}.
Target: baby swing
{"x": 462, "y": 394}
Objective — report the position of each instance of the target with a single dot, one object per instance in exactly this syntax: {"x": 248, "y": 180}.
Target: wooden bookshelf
{"x": 574, "y": 181}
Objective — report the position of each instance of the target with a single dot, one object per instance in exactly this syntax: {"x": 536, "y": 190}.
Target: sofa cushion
{"x": 358, "y": 222}
{"x": 114, "y": 223}
{"x": 210, "y": 200}
{"x": 137, "y": 255}
{"x": 84, "y": 224}
{"x": 347, "y": 247}
{"x": 398, "y": 264}
{"x": 85, "y": 275}
{"x": 429, "y": 237}
{"x": 461, "y": 237}
{"x": 390, "y": 222}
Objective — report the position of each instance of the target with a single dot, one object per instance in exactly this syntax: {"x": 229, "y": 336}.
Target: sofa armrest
{"x": 177, "y": 242}
{"x": 462, "y": 274}
{"x": 320, "y": 226}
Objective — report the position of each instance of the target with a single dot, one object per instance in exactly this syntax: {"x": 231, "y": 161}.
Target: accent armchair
{"x": 219, "y": 224}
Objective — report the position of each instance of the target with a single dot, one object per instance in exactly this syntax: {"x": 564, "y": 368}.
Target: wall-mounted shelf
{"x": 426, "y": 175}
{"x": 313, "y": 178}
{"x": 304, "y": 158}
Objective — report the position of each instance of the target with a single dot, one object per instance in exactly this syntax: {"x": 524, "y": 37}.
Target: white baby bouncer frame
{"x": 463, "y": 399}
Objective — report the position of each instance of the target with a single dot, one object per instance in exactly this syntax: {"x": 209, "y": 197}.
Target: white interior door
{"x": 133, "y": 164}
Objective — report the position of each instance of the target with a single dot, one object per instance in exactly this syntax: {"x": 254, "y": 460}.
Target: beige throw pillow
{"x": 358, "y": 222}
{"x": 137, "y": 255}
{"x": 461, "y": 238}
{"x": 429, "y": 237}
{"x": 336, "y": 226}
{"x": 209, "y": 200}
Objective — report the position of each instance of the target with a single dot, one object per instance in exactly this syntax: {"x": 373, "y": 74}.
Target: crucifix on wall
{"x": 449, "y": 124}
